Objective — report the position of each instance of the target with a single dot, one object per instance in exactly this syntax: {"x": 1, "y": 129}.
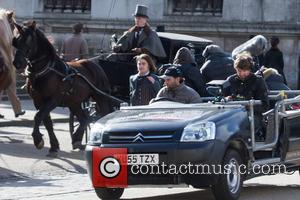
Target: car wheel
{"x": 109, "y": 193}
{"x": 231, "y": 181}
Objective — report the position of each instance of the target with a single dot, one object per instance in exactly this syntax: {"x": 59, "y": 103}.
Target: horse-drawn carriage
{"x": 52, "y": 82}
{"x": 122, "y": 66}
{"x": 118, "y": 67}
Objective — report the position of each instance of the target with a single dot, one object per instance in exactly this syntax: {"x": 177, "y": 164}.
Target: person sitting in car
{"x": 191, "y": 73}
{"x": 274, "y": 81}
{"x": 273, "y": 78}
{"x": 175, "y": 89}
{"x": 218, "y": 64}
{"x": 245, "y": 85}
{"x": 140, "y": 38}
{"x": 145, "y": 84}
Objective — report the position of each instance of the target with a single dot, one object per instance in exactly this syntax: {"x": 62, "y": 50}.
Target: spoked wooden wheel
{"x": 90, "y": 108}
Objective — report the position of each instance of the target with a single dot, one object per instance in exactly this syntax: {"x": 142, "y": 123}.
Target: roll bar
{"x": 275, "y": 92}
{"x": 280, "y": 112}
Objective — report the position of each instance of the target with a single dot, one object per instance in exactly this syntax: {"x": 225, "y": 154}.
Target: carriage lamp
{"x": 199, "y": 132}
{"x": 96, "y": 134}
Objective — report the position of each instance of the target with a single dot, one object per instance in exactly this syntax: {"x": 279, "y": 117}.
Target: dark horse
{"x": 52, "y": 83}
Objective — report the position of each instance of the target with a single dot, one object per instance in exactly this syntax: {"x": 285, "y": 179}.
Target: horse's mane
{"x": 45, "y": 41}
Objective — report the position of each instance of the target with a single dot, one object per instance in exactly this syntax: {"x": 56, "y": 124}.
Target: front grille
{"x": 140, "y": 137}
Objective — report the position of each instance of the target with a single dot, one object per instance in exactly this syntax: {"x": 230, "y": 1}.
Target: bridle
{"x": 27, "y": 51}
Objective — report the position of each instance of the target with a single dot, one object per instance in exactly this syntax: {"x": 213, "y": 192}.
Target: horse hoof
{"x": 78, "y": 145}
{"x": 52, "y": 154}
{"x": 40, "y": 145}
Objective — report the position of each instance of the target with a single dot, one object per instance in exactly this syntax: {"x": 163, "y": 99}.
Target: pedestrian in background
{"x": 12, "y": 96}
{"x": 145, "y": 84}
{"x": 75, "y": 46}
{"x": 274, "y": 57}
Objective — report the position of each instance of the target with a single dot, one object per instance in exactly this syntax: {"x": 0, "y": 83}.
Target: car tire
{"x": 229, "y": 184}
{"x": 109, "y": 193}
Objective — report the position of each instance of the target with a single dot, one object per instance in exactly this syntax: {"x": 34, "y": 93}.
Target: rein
{"x": 50, "y": 67}
{"x": 94, "y": 87}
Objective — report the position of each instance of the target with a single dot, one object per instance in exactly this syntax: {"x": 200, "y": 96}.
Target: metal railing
{"x": 279, "y": 112}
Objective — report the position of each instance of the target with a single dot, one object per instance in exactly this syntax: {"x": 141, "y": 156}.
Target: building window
{"x": 68, "y": 6}
{"x": 195, "y": 7}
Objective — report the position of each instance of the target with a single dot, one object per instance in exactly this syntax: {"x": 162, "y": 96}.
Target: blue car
{"x": 211, "y": 144}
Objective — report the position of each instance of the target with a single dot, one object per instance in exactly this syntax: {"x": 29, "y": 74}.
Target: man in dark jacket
{"x": 186, "y": 63}
{"x": 244, "y": 85}
{"x": 140, "y": 38}
{"x": 218, "y": 64}
{"x": 274, "y": 57}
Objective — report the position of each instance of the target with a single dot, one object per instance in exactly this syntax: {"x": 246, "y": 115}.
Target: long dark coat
{"x": 218, "y": 64}
{"x": 148, "y": 40}
{"x": 274, "y": 59}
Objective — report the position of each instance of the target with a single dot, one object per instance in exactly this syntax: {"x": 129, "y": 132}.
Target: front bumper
{"x": 177, "y": 158}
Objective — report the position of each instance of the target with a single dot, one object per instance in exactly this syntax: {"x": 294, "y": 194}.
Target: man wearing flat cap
{"x": 175, "y": 89}
{"x": 140, "y": 38}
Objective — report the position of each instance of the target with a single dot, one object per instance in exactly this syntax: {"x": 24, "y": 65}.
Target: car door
{"x": 291, "y": 135}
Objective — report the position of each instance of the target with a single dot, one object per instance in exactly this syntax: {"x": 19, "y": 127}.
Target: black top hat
{"x": 172, "y": 72}
{"x": 141, "y": 11}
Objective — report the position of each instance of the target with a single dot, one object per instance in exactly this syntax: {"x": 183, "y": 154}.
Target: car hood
{"x": 161, "y": 116}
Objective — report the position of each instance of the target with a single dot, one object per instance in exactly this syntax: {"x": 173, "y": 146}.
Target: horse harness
{"x": 50, "y": 67}
{"x": 67, "y": 76}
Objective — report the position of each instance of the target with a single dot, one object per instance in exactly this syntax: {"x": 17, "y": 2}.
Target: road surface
{"x": 27, "y": 174}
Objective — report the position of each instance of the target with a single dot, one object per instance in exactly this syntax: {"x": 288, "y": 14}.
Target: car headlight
{"x": 96, "y": 134}
{"x": 199, "y": 132}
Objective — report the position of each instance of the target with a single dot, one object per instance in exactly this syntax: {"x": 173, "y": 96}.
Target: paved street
{"x": 27, "y": 174}
{"x": 240, "y": 58}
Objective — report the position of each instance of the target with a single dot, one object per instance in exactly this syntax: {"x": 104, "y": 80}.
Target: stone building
{"x": 227, "y": 22}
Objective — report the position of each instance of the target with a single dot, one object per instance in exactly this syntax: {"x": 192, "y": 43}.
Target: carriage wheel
{"x": 90, "y": 108}
{"x": 74, "y": 124}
